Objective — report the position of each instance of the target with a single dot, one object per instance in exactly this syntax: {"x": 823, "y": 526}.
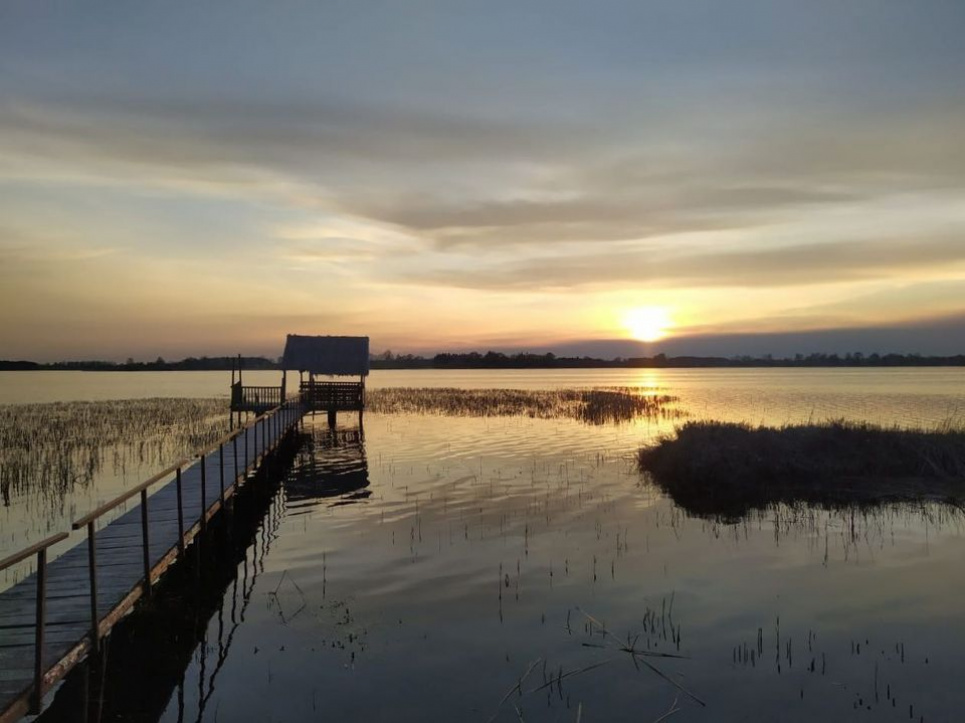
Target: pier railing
{"x": 266, "y": 431}
{"x": 40, "y": 550}
{"x": 255, "y": 399}
{"x": 333, "y": 396}
{"x": 259, "y": 424}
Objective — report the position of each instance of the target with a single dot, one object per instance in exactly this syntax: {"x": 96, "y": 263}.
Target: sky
{"x": 750, "y": 176}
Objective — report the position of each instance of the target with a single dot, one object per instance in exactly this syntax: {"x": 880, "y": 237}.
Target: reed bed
{"x": 49, "y": 449}
{"x": 609, "y": 405}
{"x": 728, "y": 469}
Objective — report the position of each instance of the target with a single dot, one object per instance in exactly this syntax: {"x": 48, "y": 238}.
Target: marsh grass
{"x": 609, "y": 405}
{"x": 726, "y": 469}
{"x": 50, "y": 449}
{"x": 638, "y": 647}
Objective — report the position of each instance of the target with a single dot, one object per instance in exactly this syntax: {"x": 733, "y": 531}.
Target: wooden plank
{"x": 11, "y": 688}
{"x": 54, "y": 634}
{"x": 64, "y": 615}
{"x": 18, "y": 663}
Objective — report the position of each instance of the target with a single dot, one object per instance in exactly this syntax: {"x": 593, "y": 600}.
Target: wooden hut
{"x": 330, "y": 356}
{"x": 335, "y": 357}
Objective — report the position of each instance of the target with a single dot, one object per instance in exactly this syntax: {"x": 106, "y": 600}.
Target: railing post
{"x": 245, "y": 430}
{"x": 234, "y": 445}
{"x": 38, "y": 695}
{"x": 204, "y": 496}
{"x": 95, "y": 632}
{"x": 180, "y": 515}
{"x": 221, "y": 466}
{"x": 147, "y": 546}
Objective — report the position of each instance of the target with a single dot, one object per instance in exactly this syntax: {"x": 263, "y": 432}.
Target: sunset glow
{"x": 332, "y": 171}
{"x": 648, "y": 323}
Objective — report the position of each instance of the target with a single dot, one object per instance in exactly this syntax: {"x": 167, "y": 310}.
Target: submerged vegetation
{"x": 51, "y": 448}
{"x": 715, "y": 468}
{"x": 592, "y": 406}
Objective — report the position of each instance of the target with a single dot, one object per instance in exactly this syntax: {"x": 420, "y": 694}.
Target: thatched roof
{"x": 338, "y": 355}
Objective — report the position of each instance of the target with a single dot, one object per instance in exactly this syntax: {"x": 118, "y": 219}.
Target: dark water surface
{"x": 427, "y": 568}
{"x": 423, "y": 570}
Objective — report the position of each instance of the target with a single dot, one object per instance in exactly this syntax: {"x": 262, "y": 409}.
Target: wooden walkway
{"x": 64, "y": 608}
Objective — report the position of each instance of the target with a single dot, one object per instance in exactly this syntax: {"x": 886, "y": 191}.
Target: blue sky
{"x": 188, "y": 178}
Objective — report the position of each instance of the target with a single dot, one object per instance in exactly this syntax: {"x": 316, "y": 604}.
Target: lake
{"x": 906, "y": 396}
{"x": 457, "y": 568}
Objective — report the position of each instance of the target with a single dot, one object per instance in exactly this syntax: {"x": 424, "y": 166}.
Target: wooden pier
{"x": 54, "y": 617}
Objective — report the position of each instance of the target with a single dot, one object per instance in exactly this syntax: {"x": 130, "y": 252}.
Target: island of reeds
{"x": 603, "y": 405}
{"x": 725, "y": 470}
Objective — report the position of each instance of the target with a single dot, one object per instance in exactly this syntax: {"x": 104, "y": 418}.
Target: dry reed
{"x": 592, "y": 406}
{"x": 727, "y": 469}
{"x": 49, "y": 449}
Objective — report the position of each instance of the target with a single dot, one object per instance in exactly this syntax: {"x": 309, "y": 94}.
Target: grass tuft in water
{"x": 722, "y": 468}
{"x": 610, "y": 405}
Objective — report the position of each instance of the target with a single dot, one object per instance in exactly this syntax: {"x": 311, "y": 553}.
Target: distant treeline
{"x": 498, "y": 360}
{"x": 191, "y": 364}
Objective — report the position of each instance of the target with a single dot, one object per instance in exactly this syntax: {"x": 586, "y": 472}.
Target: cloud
{"x": 20, "y": 250}
{"x": 464, "y": 179}
{"x": 931, "y": 336}
{"x": 297, "y": 139}
{"x": 757, "y": 267}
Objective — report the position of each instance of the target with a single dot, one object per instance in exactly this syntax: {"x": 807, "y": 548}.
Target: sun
{"x": 648, "y": 323}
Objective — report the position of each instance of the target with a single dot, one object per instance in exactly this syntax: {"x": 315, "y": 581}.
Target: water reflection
{"x": 331, "y": 469}
{"x": 502, "y": 569}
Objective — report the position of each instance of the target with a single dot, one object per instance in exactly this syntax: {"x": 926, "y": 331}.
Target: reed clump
{"x": 718, "y": 468}
{"x": 592, "y": 406}
{"x": 49, "y": 449}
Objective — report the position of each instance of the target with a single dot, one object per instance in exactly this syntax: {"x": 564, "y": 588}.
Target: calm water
{"x": 910, "y": 397}
{"x": 419, "y": 571}
{"x": 925, "y": 396}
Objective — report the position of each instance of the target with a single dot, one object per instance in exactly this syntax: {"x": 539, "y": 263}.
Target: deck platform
{"x": 77, "y": 608}
{"x": 326, "y": 396}
{"x": 255, "y": 399}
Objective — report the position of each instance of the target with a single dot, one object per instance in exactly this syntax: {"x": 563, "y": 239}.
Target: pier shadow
{"x": 331, "y": 469}
{"x": 143, "y": 665}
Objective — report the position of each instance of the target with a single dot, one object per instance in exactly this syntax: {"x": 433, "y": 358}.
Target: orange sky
{"x": 442, "y": 180}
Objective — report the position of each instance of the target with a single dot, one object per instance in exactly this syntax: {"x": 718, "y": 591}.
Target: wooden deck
{"x": 325, "y": 396}
{"x": 76, "y": 608}
{"x": 255, "y": 399}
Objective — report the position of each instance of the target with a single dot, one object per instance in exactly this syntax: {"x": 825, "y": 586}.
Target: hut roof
{"x": 338, "y": 355}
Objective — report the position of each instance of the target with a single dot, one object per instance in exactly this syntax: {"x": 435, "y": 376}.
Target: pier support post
{"x": 204, "y": 495}
{"x": 234, "y": 445}
{"x": 332, "y": 418}
{"x": 146, "y": 546}
{"x": 95, "y": 628}
{"x": 38, "y": 696}
{"x": 221, "y": 467}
